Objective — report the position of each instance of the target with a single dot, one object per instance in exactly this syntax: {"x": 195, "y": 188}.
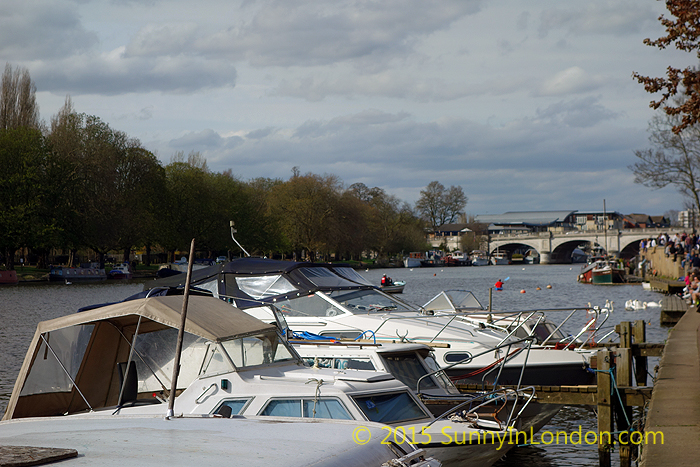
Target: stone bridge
{"x": 556, "y": 247}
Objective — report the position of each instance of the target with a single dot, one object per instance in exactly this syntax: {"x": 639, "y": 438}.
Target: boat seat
{"x": 129, "y": 397}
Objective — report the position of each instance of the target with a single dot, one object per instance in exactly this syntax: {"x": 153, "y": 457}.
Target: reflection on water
{"x": 22, "y": 307}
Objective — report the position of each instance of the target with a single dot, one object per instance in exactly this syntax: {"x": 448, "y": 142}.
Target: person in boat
{"x": 499, "y": 284}
{"x": 384, "y": 280}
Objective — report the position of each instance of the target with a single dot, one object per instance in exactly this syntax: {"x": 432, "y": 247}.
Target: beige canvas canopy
{"x": 95, "y": 341}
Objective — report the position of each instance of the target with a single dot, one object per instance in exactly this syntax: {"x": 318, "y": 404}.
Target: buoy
{"x": 549, "y": 286}
{"x": 522, "y": 291}
{"x": 538, "y": 288}
{"x": 434, "y": 275}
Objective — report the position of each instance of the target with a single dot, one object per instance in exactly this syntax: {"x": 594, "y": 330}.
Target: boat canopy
{"x": 81, "y": 361}
{"x": 249, "y": 281}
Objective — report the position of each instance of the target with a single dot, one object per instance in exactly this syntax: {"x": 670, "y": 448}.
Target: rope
{"x": 317, "y": 394}
{"x": 487, "y": 367}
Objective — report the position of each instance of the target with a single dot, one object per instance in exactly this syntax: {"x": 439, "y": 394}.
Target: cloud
{"x": 579, "y": 113}
{"x": 114, "y": 73}
{"x": 309, "y": 32}
{"x": 597, "y": 17}
{"x": 573, "y": 80}
{"x": 42, "y": 29}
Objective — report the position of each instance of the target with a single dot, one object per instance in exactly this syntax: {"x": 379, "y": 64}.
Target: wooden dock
{"x": 666, "y": 286}
{"x": 675, "y": 403}
{"x": 673, "y": 308}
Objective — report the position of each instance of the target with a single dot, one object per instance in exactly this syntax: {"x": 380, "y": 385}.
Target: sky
{"x": 527, "y": 105}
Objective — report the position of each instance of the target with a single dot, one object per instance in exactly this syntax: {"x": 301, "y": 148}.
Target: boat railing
{"x": 527, "y": 394}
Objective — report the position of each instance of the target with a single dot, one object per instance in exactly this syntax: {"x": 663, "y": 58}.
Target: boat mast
{"x": 605, "y": 228}
{"x": 180, "y": 335}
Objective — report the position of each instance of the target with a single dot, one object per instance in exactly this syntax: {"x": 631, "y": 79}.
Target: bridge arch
{"x": 556, "y": 247}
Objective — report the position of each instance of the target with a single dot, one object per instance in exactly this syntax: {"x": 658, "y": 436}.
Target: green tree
{"x": 439, "y": 206}
{"x": 18, "y": 106}
{"x": 25, "y": 220}
{"x": 305, "y": 205}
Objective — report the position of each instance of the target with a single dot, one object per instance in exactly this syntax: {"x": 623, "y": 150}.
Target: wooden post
{"x": 624, "y": 329}
{"x": 623, "y": 377}
{"x": 605, "y": 419}
{"x": 640, "y": 363}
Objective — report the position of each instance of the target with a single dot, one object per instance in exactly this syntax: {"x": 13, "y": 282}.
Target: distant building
{"x": 448, "y": 236}
{"x": 528, "y": 221}
{"x": 688, "y": 219}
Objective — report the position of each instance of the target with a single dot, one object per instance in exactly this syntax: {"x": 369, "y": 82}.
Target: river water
{"x": 23, "y": 306}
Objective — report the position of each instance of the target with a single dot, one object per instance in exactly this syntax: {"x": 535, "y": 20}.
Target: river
{"x": 23, "y": 306}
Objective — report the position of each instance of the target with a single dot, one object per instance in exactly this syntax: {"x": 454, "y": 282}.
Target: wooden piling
{"x": 623, "y": 377}
{"x": 640, "y": 362}
{"x": 605, "y": 418}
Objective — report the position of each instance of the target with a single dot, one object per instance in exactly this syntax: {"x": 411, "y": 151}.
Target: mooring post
{"x": 623, "y": 378}
{"x": 605, "y": 418}
{"x": 624, "y": 329}
{"x": 639, "y": 334}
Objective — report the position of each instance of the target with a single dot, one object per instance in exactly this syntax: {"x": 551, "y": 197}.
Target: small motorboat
{"x": 394, "y": 287}
{"x": 121, "y": 271}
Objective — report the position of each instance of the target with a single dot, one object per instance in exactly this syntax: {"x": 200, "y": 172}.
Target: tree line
{"x": 76, "y": 183}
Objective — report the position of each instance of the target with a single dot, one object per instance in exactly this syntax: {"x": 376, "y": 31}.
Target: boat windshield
{"x": 390, "y": 408}
{"x": 366, "y": 301}
{"x": 260, "y": 287}
{"x": 308, "y": 306}
{"x": 408, "y": 370}
{"x": 259, "y": 349}
{"x": 350, "y": 274}
{"x": 322, "y": 277}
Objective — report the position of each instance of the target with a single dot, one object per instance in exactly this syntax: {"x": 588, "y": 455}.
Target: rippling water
{"x": 22, "y": 307}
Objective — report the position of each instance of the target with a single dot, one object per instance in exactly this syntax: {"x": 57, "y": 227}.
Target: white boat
{"x": 499, "y": 258}
{"x": 415, "y": 366}
{"x": 120, "y": 271}
{"x": 394, "y": 287}
{"x": 118, "y": 359}
{"x": 103, "y": 440}
{"x": 336, "y": 301}
{"x": 479, "y": 258}
{"x": 413, "y": 260}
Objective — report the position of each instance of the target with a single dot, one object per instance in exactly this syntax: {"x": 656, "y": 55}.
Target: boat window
{"x": 307, "y": 408}
{"x": 454, "y": 357}
{"x": 390, "y": 408}
{"x": 350, "y": 274}
{"x": 260, "y": 287}
{"x": 154, "y": 354}
{"x": 367, "y": 300}
{"x": 216, "y": 362}
{"x": 342, "y": 334}
{"x": 408, "y": 369}
{"x": 46, "y": 374}
{"x": 354, "y": 364}
{"x": 441, "y": 376}
{"x": 322, "y": 277}
{"x": 341, "y": 363}
{"x": 236, "y": 406}
{"x": 308, "y": 305}
{"x": 257, "y": 350}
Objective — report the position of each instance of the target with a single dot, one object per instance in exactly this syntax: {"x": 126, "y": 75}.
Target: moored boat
{"x": 8, "y": 278}
{"x": 90, "y": 272}
{"x": 121, "y": 271}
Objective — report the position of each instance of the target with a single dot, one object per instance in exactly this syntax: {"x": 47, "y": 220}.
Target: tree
{"x": 674, "y": 160}
{"x": 18, "y": 106}
{"x": 439, "y": 206}
{"x": 684, "y": 33}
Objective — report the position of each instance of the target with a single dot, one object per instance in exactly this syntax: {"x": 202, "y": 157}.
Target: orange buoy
{"x": 538, "y": 288}
{"x": 549, "y": 286}
{"x": 522, "y": 291}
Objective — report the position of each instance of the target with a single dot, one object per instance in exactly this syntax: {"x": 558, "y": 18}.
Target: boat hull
{"x": 8, "y": 278}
